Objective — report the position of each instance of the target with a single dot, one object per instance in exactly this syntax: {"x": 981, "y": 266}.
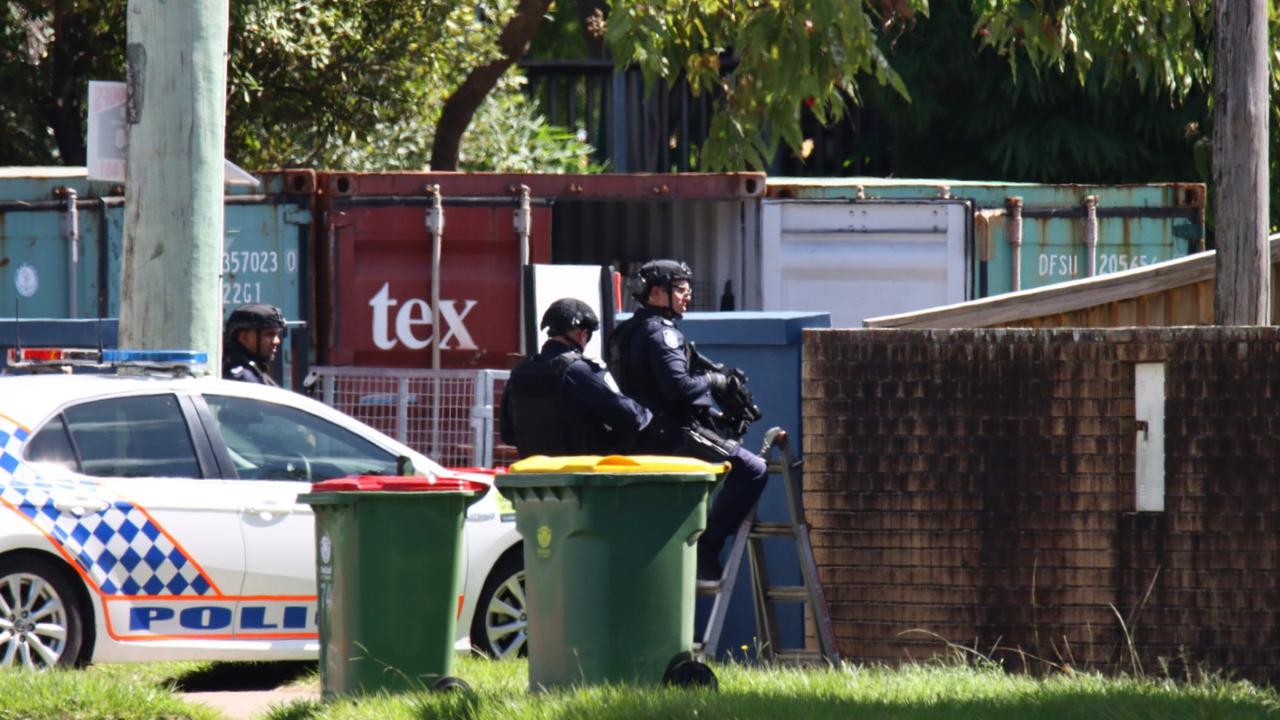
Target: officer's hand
{"x": 717, "y": 382}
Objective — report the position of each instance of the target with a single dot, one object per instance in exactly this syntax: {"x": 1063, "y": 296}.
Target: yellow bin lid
{"x": 616, "y": 464}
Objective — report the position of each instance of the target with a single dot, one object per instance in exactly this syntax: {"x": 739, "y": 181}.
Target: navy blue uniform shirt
{"x": 586, "y": 399}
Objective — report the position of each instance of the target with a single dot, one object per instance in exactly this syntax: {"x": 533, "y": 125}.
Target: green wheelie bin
{"x": 388, "y": 573}
{"x": 610, "y": 566}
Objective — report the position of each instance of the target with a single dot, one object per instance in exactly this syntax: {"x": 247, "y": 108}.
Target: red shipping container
{"x": 374, "y": 289}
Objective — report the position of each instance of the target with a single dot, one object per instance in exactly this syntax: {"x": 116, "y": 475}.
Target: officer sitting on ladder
{"x": 560, "y": 403}
{"x": 250, "y": 341}
{"x": 649, "y": 358}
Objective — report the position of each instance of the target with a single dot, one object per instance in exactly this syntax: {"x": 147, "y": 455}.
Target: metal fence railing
{"x": 447, "y": 415}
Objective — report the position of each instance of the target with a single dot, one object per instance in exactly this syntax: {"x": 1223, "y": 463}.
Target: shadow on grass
{"x": 243, "y": 676}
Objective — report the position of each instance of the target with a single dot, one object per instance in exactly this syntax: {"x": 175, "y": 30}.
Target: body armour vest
{"x": 542, "y": 426}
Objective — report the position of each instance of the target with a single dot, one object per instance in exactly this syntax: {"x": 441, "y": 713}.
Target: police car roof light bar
{"x": 85, "y": 357}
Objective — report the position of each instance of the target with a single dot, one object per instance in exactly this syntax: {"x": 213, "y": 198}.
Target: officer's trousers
{"x": 742, "y": 488}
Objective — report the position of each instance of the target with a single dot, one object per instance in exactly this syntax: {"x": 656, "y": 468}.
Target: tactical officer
{"x": 559, "y": 402}
{"x": 250, "y": 341}
{"x": 649, "y": 358}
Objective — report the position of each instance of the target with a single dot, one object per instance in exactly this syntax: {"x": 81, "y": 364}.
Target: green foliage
{"x": 507, "y": 134}
{"x": 38, "y": 69}
{"x": 1160, "y": 43}
{"x": 971, "y": 117}
{"x": 320, "y": 83}
{"x": 1164, "y": 45}
{"x": 786, "y": 54}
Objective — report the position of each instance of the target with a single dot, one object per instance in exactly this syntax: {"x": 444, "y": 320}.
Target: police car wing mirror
{"x": 404, "y": 466}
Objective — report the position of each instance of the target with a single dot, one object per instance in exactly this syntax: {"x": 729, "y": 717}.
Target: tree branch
{"x": 461, "y": 105}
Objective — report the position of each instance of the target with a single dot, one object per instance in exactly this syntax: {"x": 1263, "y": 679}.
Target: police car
{"x": 155, "y": 517}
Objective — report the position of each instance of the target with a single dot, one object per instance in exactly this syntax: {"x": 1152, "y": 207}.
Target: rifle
{"x": 737, "y": 408}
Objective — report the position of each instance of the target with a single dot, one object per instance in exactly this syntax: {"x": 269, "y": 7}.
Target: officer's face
{"x": 681, "y": 296}
{"x": 263, "y": 343}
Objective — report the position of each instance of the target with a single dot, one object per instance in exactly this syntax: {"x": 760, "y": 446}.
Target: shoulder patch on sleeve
{"x": 237, "y": 371}
{"x": 670, "y": 338}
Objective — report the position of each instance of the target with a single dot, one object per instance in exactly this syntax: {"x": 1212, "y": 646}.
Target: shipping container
{"x": 1173, "y": 293}
{"x": 62, "y": 237}
{"x": 870, "y": 257}
{"x": 375, "y": 270}
{"x": 1048, "y": 233}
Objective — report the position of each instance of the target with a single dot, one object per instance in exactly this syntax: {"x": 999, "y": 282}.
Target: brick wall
{"x": 977, "y": 486}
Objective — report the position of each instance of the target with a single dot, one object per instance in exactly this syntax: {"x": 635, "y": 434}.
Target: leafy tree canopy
{"x": 784, "y": 53}
{"x": 320, "y": 83}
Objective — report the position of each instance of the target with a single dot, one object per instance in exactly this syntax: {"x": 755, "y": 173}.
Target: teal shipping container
{"x": 61, "y": 239}
{"x": 1027, "y": 235}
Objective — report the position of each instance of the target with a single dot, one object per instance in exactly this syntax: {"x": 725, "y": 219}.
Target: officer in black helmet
{"x": 649, "y": 360}
{"x": 560, "y": 403}
{"x": 250, "y": 341}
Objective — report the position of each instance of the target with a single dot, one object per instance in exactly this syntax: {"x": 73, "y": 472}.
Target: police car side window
{"x": 52, "y": 445}
{"x": 139, "y": 436}
{"x": 267, "y": 441}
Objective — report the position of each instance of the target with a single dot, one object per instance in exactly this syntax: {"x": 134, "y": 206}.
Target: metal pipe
{"x": 1014, "y": 209}
{"x": 71, "y": 231}
{"x": 435, "y": 226}
{"x": 1091, "y": 233}
{"x": 521, "y": 220}
{"x": 411, "y": 201}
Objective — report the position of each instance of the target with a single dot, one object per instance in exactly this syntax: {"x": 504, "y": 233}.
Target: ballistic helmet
{"x": 659, "y": 273}
{"x": 568, "y": 314}
{"x": 254, "y": 316}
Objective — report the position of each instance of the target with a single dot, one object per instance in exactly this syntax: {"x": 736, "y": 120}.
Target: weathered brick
{"x": 979, "y": 484}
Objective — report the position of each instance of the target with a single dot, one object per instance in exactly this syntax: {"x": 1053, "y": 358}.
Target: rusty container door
{"x": 374, "y": 278}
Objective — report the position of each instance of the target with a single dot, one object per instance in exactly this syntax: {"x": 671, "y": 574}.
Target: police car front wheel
{"x": 40, "y": 619}
{"x": 500, "y": 628}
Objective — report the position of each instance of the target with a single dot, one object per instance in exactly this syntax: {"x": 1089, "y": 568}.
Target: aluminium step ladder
{"x": 748, "y": 541}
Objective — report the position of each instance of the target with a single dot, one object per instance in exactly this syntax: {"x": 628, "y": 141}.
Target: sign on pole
{"x": 108, "y": 135}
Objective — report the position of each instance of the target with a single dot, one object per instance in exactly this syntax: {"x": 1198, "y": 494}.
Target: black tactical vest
{"x": 536, "y": 395}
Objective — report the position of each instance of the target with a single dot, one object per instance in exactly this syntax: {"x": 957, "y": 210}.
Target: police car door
{"x": 277, "y": 452}
{"x": 154, "y": 531}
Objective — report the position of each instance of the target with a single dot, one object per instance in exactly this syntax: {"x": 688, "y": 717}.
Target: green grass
{"x": 119, "y": 692}
{"x": 920, "y": 692}
{"x": 934, "y": 691}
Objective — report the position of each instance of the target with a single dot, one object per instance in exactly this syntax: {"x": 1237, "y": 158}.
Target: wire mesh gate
{"x": 447, "y": 415}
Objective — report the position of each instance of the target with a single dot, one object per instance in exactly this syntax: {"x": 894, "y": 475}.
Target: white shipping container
{"x": 864, "y": 259}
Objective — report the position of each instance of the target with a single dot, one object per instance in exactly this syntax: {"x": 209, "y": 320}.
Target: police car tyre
{"x": 40, "y": 618}
{"x": 500, "y": 628}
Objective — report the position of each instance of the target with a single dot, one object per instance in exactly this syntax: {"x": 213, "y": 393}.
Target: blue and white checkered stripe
{"x": 122, "y": 551}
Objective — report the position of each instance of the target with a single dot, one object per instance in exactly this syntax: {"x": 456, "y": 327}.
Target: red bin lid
{"x": 385, "y": 483}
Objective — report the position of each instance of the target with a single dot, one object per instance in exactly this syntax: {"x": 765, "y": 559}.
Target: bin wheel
{"x": 685, "y": 672}
{"x": 448, "y": 683}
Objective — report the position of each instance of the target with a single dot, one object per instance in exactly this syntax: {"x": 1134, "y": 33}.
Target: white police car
{"x": 156, "y": 518}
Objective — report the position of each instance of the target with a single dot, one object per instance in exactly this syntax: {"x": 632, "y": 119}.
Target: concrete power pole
{"x": 1240, "y": 174}
{"x": 170, "y": 290}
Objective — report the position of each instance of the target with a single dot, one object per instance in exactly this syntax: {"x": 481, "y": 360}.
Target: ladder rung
{"x": 707, "y": 587}
{"x": 788, "y": 593}
{"x": 772, "y": 529}
{"x": 799, "y": 656}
